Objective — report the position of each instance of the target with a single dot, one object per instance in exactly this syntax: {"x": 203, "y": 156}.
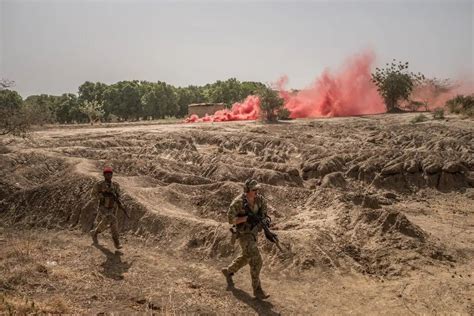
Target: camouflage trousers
{"x": 106, "y": 217}
{"x": 250, "y": 255}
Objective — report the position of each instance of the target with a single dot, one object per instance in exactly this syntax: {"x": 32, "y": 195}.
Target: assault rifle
{"x": 120, "y": 205}
{"x": 253, "y": 219}
{"x": 117, "y": 200}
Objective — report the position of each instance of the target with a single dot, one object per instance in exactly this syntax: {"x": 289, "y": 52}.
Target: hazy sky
{"x": 54, "y": 46}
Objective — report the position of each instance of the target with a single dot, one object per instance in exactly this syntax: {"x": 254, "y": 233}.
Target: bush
{"x": 270, "y": 104}
{"x": 438, "y": 114}
{"x": 419, "y": 118}
{"x": 284, "y": 114}
{"x": 461, "y": 104}
{"x": 395, "y": 83}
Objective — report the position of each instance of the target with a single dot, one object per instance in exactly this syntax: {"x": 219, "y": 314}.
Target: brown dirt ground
{"x": 375, "y": 214}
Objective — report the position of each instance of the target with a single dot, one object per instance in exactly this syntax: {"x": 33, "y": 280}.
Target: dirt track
{"x": 376, "y": 214}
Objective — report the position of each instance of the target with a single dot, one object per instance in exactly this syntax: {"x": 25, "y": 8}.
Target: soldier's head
{"x": 108, "y": 172}
{"x": 251, "y": 187}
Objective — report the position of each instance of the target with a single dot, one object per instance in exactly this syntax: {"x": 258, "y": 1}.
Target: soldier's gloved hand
{"x": 241, "y": 219}
{"x": 252, "y": 219}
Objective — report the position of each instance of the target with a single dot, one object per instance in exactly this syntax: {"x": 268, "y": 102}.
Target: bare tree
{"x": 5, "y": 83}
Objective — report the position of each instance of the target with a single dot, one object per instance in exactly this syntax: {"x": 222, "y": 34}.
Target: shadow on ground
{"x": 259, "y": 306}
{"x": 113, "y": 267}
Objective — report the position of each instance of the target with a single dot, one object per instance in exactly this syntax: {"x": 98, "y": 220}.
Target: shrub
{"x": 395, "y": 83}
{"x": 284, "y": 114}
{"x": 461, "y": 104}
{"x": 438, "y": 114}
{"x": 419, "y": 118}
{"x": 270, "y": 104}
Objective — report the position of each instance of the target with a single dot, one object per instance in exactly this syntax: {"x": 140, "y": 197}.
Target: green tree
{"x": 68, "y": 109}
{"x": 90, "y": 91}
{"x": 186, "y": 96}
{"x": 270, "y": 104}
{"x": 228, "y": 92}
{"x": 42, "y": 108}
{"x": 395, "y": 83}
{"x": 124, "y": 100}
{"x": 250, "y": 88}
{"x": 13, "y": 118}
{"x": 10, "y": 100}
{"x": 160, "y": 100}
{"x": 93, "y": 109}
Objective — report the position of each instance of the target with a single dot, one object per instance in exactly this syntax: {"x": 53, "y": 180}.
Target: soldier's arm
{"x": 232, "y": 215}
{"x": 118, "y": 191}
{"x": 96, "y": 193}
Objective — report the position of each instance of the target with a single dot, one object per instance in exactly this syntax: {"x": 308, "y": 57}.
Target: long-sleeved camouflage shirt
{"x": 101, "y": 189}
{"x": 236, "y": 209}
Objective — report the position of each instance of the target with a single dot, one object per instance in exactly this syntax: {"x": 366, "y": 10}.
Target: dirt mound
{"x": 316, "y": 168}
{"x": 191, "y": 218}
{"x": 334, "y": 180}
{"x": 226, "y": 172}
{"x": 385, "y": 242}
{"x": 382, "y": 222}
{"x": 336, "y": 189}
{"x": 27, "y": 170}
{"x": 380, "y": 238}
{"x": 398, "y": 157}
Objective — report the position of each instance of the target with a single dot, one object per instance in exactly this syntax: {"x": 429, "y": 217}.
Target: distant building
{"x": 201, "y": 109}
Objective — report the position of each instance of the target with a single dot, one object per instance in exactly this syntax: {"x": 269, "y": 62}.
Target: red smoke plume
{"x": 249, "y": 109}
{"x": 434, "y": 93}
{"x": 348, "y": 92}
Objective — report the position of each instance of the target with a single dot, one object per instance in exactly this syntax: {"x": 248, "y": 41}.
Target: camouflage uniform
{"x": 107, "y": 210}
{"x": 247, "y": 236}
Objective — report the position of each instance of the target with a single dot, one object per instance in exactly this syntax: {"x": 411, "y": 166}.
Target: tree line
{"x": 125, "y": 100}
{"x": 134, "y": 100}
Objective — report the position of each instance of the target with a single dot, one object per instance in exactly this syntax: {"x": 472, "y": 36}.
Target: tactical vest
{"x": 106, "y": 192}
{"x": 248, "y": 227}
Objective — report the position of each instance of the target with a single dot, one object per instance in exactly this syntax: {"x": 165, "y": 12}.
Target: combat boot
{"x": 94, "y": 237}
{"x": 228, "y": 277}
{"x": 260, "y": 294}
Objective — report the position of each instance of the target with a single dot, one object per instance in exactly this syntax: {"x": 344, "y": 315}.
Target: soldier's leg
{"x": 114, "y": 230}
{"x": 243, "y": 258}
{"x": 255, "y": 262}
{"x": 101, "y": 224}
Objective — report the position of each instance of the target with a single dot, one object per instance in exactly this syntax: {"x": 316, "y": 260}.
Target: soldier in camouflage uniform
{"x": 104, "y": 191}
{"x": 249, "y": 201}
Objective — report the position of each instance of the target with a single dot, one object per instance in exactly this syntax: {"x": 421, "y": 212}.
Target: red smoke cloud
{"x": 347, "y": 92}
{"x": 435, "y": 95}
{"x": 249, "y": 109}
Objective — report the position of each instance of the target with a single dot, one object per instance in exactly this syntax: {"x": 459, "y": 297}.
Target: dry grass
{"x": 419, "y": 118}
{"x": 17, "y": 305}
{"x": 18, "y": 264}
{"x": 20, "y": 272}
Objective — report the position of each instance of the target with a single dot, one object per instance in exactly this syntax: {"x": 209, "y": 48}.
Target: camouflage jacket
{"x": 103, "y": 192}
{"x": 237, "y": 209}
